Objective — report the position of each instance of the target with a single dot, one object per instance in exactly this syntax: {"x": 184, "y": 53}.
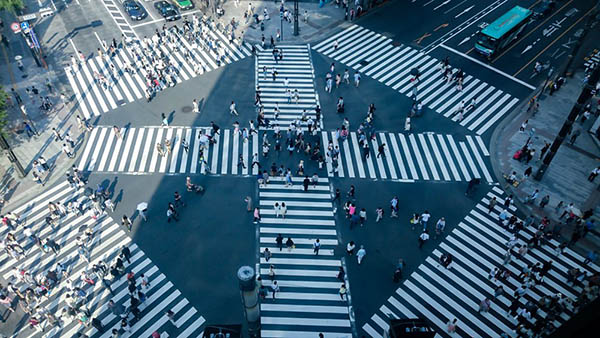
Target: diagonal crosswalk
{"x": 136, "y": 150}
{"x": 375, "y": 55}
{"x": 478, "y": 244}
{"x": 308, "y": 301}
{"x": 104, "y": 244}
{"x": 426, "y": 156}
{"x": 189, "y": 59}
{"x": 296, "y": 69}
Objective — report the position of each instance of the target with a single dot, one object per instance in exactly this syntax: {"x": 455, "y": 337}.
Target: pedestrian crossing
{"x": 294, "y": 69}
{"x": 308, "y": 301}
{"x": 375, "y": 55}
{"x": 104, "y": 244}
{"x": 189, "y": 59}
{"x": 478, "y": 244}
{"x": 136, "y": 151}
{"x": 409, "y": 157}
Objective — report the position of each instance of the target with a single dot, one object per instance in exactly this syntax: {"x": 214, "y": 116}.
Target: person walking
{"x": 126, "y": 222}
{"x": 248, "y": 201}
{"x": 279, "y": 241}
{"x": 451, "y": 326}
{"x": 256, "y": 215}
{"x": 379, "y": 212}
{"x": 195, "y": 106}
{"x": 316, "y": 246}
{"x": 424, "y": 219}
{"x": 491, "y": 204}
{"x": 290, "y": 244}
{"x": 274, "y": 288}
{"x": 350, "y": 248}
{"x": 267, "y": 254}
{"x": 593, "y": 174}
{"x": 484, "y": 305}
{"x": 306, "y": 183}
{"x": 343, "y": 291}
{"x": 423, "y": 238}
{"x": 232, "y": 109}
{"x": 360, "y": 255}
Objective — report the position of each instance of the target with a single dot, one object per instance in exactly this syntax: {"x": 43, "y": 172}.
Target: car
{"x": 543, "y": 9}
{"x": 184, "y": 4}
{"x": 135, "y": 10}
{"x": 167, "y": 10}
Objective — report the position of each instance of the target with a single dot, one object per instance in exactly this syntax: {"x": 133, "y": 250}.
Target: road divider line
{"x": 523, "y": 83}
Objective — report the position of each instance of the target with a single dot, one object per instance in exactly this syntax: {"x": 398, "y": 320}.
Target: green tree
{"x": 3, "y": 114}
{"x": 11, "y": 5}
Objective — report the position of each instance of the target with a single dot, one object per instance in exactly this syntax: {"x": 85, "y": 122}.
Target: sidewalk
{"x": 566, "y": 178}
{"x": 320, "y": 20}
{"x": 13, "y": 188}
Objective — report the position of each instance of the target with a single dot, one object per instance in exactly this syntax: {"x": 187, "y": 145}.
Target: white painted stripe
{"x": 432, "y": 167}
{"x": 479, "y": 160}
{"x": 136, "y": 149}
{"x": 322, "y": 322}
{"x": 448, "y": 157}
{"x": 298, "y": 231}
{"x": 225, "y": 154}
{"x": 116, "y": 151}
{"x": 255, "y": 151}
{"x": 184, "y": 153}
{"x": 215, "y": 154}
{"x": 319, "y": 46}
{"x": 192, "y": 328}
{"x": 357, "y": 155}
{"x": 78, "y": 96}
{"x": 107, "y": 150}
{"x": 246, "y": 157}
{"x": 346, "y": 154}
{"x": 388, "y": 156}
{"x": 195, "y": 150}
{"x": 302, "y": 261}
{"x": 482, "y": 145}
{"x": 301, "y": 334}
{"x": 325, "y": 144}
{"x": 176, "y": 144}
{"x": 165, "y": 159}
{"x": 458, "y": 158}
{"x": 411, "y": 165}
{"x": 496, "y": 117}
{"x": 88, "y": 148}
{"x": 469, "y": 160}
{"x": 303, "y": 308}
{"x": 149, "y": 148}
{"x": 417, "y": 154}
{"x": 153, "y": 150}
{"x": 489, "y": 67}
{"x": 398, "y": 156}
{"x": 235, "y": 153}
{"x": 438, "y": 156}
{"x": 94, "y": 159}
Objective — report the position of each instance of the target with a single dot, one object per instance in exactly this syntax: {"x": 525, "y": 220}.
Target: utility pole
{"x": 296, "y": 30}
{"x": 586, "y": 94}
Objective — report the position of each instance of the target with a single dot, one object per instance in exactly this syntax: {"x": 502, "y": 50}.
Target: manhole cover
{"x": 186, "y": 109}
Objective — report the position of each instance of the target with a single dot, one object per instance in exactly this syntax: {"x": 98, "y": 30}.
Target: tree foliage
{"x": 3, "y": 106}
{"x": 11, "y": 5}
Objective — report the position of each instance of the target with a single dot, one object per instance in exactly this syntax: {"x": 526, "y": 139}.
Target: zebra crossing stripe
{"x": 398, "y": 157}
{"x": 427, "y": 156}
{"x": 448, "y": 157}
{"x": 357, "y": 155}
{"x": 438, "y": 156}
{"x": 388, "y": 157}
{"x": 225, "y": 159}
{"x": 328, "y": 163}
{"x": 340, "y": 167}
{"x": 479, "y": 160}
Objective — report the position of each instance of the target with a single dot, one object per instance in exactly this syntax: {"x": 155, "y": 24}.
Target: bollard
{"x": 247, "y": 282}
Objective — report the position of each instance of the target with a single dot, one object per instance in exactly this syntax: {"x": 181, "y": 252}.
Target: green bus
{"x": 497, "y": 35}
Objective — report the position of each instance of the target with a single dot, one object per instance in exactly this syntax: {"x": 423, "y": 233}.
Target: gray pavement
{"x": 566, "y": 178}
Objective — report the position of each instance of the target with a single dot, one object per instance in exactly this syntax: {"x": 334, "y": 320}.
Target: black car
{"x": 543, "y": 9}
{"x": 135, "y": 10}
{"x": 167, "y": 10}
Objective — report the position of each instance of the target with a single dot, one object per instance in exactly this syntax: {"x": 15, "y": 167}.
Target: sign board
{"x": 28, "y": 17}
{"x": 24, "y": 25}
{"x": 15, "y": 27}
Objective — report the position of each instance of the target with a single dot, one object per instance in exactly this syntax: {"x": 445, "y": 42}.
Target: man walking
{"x": 316, "y": 246}
{"x": 381, "y": 150}
{"x": 306, "y": 183}
{"x": 232, "y": 109}
{"x": 423, "y": 238}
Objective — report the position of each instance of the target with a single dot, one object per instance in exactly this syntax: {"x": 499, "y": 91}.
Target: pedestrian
{"x": 356, "y": 79}
{"x": 591, "y": 257}
{"x": 164, "y": 120}
{"x": 545, "y": 200}
{"x": 171, "y": 215}
{"x": 267, "y": 254}
{"x": 232, "y": 109}
{"x": 360, "y": 255}
{"x": 306, "y": 183}
{"x": 484, "y": 305}
{"x": 290, "y": 244}
{"x": 492, "y": 204}
{"x": 451, "y": 326}
{"x": 343, "y": 291}
{"x": 351, "y": 192}
{"x": 593, "y": 174}
{"x": 28, "y": 130}
{"x": 350, "y": 248}
{"x": 316, "y": 246}
{"x": 439, "y": 227}
{"x": 126, "y": 222}
{"x": 574, "y": 136}
{"x": 279, "y": 241}
{"x": 171, "y": 316}
{"x": 248, "y": 201}
{"x": 379, "y": 212}
{"x": 523, "y": 126}
{"x": 425, "y": 218}
{"x": 57, "y": 136}
{"x": 67, "y": 150}
{"x": 256, "y": 215}
{"x": 423, "y": 237}
{"x": 274, "y": 288}
{"x": 195, "y": 106}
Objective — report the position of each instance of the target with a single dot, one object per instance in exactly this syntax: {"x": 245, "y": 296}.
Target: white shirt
{"x": 361, "y": 253}
{"x": 425, "y": 217}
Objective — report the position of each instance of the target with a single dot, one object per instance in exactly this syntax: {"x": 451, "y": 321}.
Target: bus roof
{"x": 506, "y": 22}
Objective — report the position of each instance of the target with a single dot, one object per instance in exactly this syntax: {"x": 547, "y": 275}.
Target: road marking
{"x": 75, "y": 48}
{"x": 553, "y": 42}
{"x": 464, "y": 11}
{"x": 490, "y": 67}
{"x": 530, "y": 32}
{"x": 444, "y": 25}
{"x": 454, "y": 7}
{"x": 418, "y": 41}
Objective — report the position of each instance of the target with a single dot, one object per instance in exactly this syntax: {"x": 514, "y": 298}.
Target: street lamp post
{"x": 296, "y": 30}
{"x": 250, "y": 300}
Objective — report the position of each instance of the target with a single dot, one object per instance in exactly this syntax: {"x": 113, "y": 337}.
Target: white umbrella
{"x": 142, "y": 206}
{"x": 18, "y": 57}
